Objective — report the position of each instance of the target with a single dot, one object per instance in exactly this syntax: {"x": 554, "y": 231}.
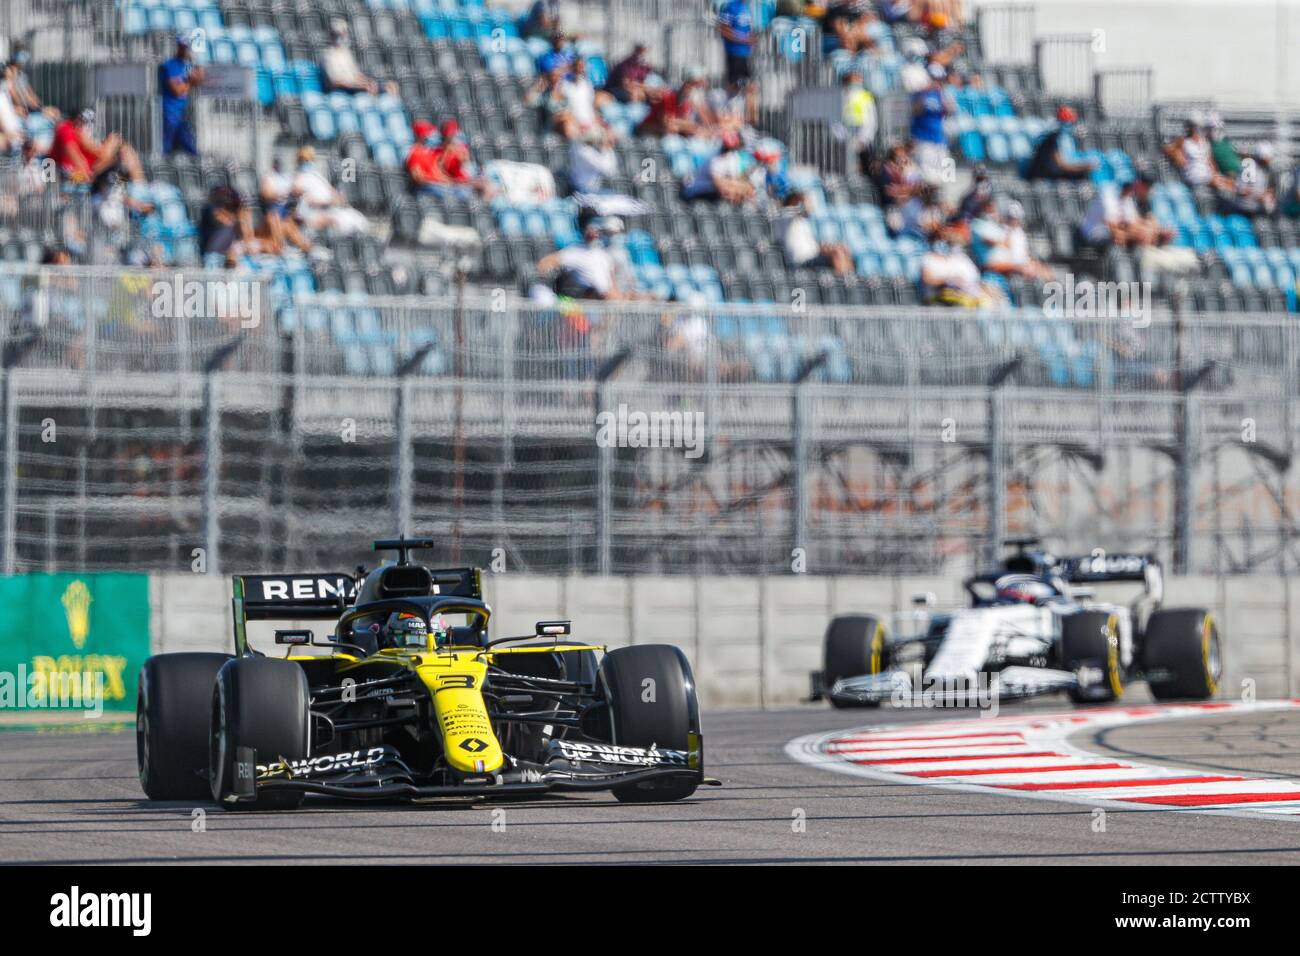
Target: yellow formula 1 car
{"x": 411, "y": 699}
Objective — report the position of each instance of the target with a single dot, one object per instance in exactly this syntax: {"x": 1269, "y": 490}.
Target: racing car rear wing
{"x": 1102, "y": 566}
{"x": 327, "y": 595}
{"x": 288, "y": 597}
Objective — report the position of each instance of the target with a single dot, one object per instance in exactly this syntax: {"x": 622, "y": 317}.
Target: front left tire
{"x": 1090, "y": 640}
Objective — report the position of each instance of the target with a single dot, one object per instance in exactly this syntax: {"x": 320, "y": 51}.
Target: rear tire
{"x": 1091, "y": 639}
{"x": 263, "y": 704}
{"x": 171, "y": 724}
{"x": 855, "y": 644}
{"x": 666, "y": 721}
{"x": 1183, "y": 647}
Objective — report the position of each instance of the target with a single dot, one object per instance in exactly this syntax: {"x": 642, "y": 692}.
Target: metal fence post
{"x": 997, "y": 490}
{"x": 402, "y": 485}
{"x": 605, "y": 464}
{"x": 211, "y": 472}
{"x": 799, "y": 453}
{"x": 10, "y": 470}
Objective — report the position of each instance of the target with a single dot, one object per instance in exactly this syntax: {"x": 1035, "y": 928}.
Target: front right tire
{"x": 650, "y": 691}
{"x": 171, "y": 724}
{"x": 1181, "y": 655}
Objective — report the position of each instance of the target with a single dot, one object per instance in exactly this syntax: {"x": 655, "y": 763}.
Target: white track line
{"x": 1029, "y": 755}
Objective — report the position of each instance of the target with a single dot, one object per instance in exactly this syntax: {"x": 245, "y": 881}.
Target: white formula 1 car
{"x": 1033, "y": 627}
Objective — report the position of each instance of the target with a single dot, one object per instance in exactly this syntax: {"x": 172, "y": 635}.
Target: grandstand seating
{"x": 466, "y": 59}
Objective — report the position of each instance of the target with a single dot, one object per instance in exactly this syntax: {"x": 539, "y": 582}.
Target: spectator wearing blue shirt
{"x": 736, "y": 25}
{"x": 177, "y": 78}
{"x": 929, "y": 140}
{"x": 1056, "y": 155}
{"x": 559, "y": 55}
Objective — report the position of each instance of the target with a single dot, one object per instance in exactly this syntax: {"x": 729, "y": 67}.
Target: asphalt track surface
{"x": 74, "y": 798}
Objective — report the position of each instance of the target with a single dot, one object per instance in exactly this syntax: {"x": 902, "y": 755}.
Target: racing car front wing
{"x": 973, "y": 690}
{"x": 381, "y": 774}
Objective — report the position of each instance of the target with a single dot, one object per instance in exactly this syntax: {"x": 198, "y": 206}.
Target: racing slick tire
{"x": 1091, "y": 639}
{"x": 1181, "y": 649}
{"x": 171, "y": 724}
{"x": 855, "y": 644}
{"x": 263, "y": 704}
{"x": 665, "y": 720}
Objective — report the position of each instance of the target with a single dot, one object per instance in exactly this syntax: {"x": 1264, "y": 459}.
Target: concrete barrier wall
{"x": 753, "y": 640}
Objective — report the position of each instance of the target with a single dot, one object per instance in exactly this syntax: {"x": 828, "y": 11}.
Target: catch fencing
{"x": 646, "y": 438}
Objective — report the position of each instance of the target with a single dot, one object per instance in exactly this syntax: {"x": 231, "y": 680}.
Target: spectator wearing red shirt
{"x": 626, "y": 82}
{"x": 424, "y": 162}
{"x": 675, "y": 111}
{"x": 82, "y": 160}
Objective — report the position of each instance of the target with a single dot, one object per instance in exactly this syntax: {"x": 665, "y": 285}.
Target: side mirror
{"x": 924, "y": 599}
{"x": 554, "y": 628}
{"x": 294, "y": 637}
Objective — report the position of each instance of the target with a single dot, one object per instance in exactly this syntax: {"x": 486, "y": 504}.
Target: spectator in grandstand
{"x": 16, "y": 82}
{"x": 177, "y": 79}
{"x": 794, "y": 232}
{"x": 950, "y": 277}
{"x": 542, "y": 19}
{"x": 1001, "y": 245}
{"x": 1123, "y": 217}
{"x": 1255, "y": 189}
{"x": 846, "y": 25}
{"x": 770, "y": 178}
{"x": 278, "y": 201}
{"x": 913, "y": 75}
{"x": 424, "y": 161}
{"x": 736, "y": 27}
{"x": 895, "y": 11}
{"x": 586, "y": 270}
{"x": 83, "y": 160}
{"x": 226, "y": 227}
{"x": 676, "y": 112}
{"x": 583, "y": 103}
{"x": 1222, "y": 150}
{"x": 340, "y": 67}
{"x": 943, "y": 41}
{"x": 36, "y": 175}
{"x": 1056, "y": 154}
{"x": 570, "y": 101}
{"x": 859, "y": 118}
{"x": 116, "y": 208}
{"x": 922, "y": 217}
{"x": 973, "y": 202}
{"x": 13, "y": 133}
{"x": 627, "y": 80}
{"x": 559, "y": 55}
{"x": 722, "y": 176}
{"x": 900, "y": 178}
{"x": 1194, "y": 159}
{"x": 457, "y": 163}
{"x": 321, "y": 207}
{"x": 930, "y": 107}
{"x": 727, "y": 108}
{"x": 592, "y": 160}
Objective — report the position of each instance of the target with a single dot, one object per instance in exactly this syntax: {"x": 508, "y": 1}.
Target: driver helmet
{"x": 1024, "y": 591}
{"x": 406, "y": 630}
